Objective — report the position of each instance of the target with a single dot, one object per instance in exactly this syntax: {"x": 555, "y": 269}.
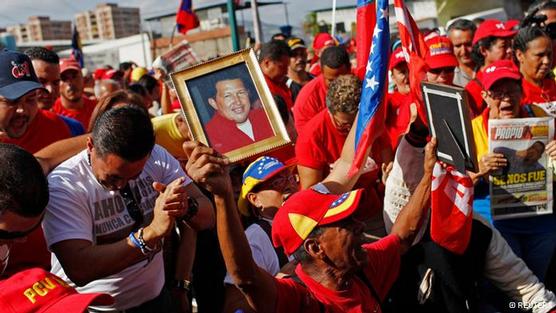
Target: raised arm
{"x": 209, "y": 169}
{"x": 52, "y": 155}
{"x": 410, "y": 217}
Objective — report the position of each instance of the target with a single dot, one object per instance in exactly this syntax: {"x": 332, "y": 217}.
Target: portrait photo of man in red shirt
{"x": 238, "y": 117}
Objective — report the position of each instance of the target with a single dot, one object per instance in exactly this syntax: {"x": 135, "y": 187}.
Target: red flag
{"x": 185, "y": 18}
{"x": 415, "y": 49}
{"x": 451, "y": 208}
{"x": 366, "y": 20}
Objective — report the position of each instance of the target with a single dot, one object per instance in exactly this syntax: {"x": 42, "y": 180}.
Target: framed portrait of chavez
{"x": 228, "y": 106}
{"x": 449, "y": 121}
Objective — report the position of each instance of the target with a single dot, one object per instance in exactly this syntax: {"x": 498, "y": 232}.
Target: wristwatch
{"x": 192, "y": 209}
{"x": 183, "y": 284}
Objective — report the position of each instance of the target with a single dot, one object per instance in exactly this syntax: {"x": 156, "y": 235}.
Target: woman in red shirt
{"x": 533, "y": 56}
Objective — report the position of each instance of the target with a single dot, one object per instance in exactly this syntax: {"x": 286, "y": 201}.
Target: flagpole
{"x": 233, "y": 25}
{"x": 333, "y": 18}
{"x": 256, "y": 22}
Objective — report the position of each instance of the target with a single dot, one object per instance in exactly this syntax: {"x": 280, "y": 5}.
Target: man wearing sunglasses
{"x": 110, "y": 207}
{"x": 441, "y": 61}
{"x": 23, "y": 197}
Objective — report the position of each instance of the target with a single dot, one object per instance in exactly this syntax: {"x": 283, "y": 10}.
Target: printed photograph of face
{"x": 230, "y": 108}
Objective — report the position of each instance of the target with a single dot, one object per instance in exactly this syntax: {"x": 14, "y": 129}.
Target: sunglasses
{"x": 278, "y": 183}
{"x": 445, "y": 70}
{"x": 11, "y": 235}
{"x": 132, "y": 207}
{"x": 503, "y": 94}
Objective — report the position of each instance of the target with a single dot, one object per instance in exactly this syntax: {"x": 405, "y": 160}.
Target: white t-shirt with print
{"x": 80, "y": 208}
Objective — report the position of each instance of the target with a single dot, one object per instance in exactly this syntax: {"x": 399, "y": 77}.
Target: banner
{"x": 524, "y": 187}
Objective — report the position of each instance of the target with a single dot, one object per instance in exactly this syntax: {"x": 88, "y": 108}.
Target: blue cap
{"x": 262, "y": 169}
{"x": 17, "y": 76}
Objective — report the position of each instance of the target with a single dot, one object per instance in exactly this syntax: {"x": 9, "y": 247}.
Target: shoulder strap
{"x": 367, "y": 282}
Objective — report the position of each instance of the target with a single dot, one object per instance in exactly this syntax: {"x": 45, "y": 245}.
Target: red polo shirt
{"x": 310, "y": 101}
{"x": 280, "y": 90}
{"x": 474, "y": 88}
{"x": 83, "y": 115}
{"x": 46, "y": 128}
{"x": 398, "y": 115}
{"x": 381, "y": 271}
{"x": 534, "y": 94}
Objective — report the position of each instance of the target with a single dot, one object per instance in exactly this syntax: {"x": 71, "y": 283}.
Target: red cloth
{"x": 83, "y": 115}
{"x": 45, "y": 129}
{"x": 534, "y": 94}
{"x": 398, "y": 115}
{"x": 280, "y": 90}
{"x": 224, "y": 136}
{"x": 474, "y": 88}
{"x": 315, "y": 69}
{"x": 451, "y": 209}
{"x": 382, "y": 271}
{"x": 176, "y": 106}
{"x": 310, "y": 101}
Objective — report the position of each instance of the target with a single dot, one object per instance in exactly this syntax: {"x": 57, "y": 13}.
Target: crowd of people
{"x": 107, "y": 205}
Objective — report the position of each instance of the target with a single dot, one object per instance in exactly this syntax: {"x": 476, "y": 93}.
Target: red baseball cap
{"x": 99, "y": 72}
{"x": 512, "y": 25}
{"x": 323, "y": 40}
{"x": 36, "y": 290}
{"x": 495, "y": 28}
{"x": 440, "y": 53}
{"x": 307, "y": 209}
{"x": 69, "y": 64}
{"x": 113, "y": 74}
{"x": 499, "y": 70}
{"x": 396, "y": 58}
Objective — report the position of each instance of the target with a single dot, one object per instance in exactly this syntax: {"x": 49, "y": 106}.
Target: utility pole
{"x": 233, "y": 25}
{"x": 256, "y": 22}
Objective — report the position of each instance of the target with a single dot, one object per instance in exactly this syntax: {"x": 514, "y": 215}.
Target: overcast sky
{"x": 17, "y": 11}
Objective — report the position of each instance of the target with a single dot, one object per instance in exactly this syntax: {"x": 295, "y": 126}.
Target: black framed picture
{"x": 449, "y": 121}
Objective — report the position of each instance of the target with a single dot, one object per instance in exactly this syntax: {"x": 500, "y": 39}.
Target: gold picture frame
{"x": 213, "y": 96}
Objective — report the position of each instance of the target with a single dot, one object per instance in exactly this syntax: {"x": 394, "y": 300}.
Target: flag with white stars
{"x": 374, "y": 87}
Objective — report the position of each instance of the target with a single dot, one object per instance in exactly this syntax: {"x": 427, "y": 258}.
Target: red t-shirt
{"x": 45, "y": 129}
{"x": 224, "y": 135}
{"x": 474, "y": 88}
{"x": 398, "y": 115}
{"x": 533, "y": 94}
{"x": 83, "y": 115}
{"x": 320, "y": 144}
{"x": 310, "y": 101}
{"x": 315, "y": 69}
{"x": 381, "y": 271}
{"x": 280, "y": 90}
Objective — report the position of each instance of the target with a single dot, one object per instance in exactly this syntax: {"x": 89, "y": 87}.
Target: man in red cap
{"x": 440, "y": 61}
{"x": 336, "y": 271}
{"x": 491, "y": 42}
{"x": 320, "y": 43}
{"x": 35, "y": 290}
{"x": 72, "y": 103}
{"x": 312, "y": 97}
{"x": 461, "y": 34}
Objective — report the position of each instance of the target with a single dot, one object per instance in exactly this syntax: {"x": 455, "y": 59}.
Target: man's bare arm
{"x": 52, "y": 155}
{"x": 308, "y": 176}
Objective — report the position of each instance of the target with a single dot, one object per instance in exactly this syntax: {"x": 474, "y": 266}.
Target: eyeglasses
{"x": 132, "y": 207}
{"x": 503, "y": 94}
{"x": 342, "y": 124}
{"x": 438, "y": 71}
{"x": 11, "y": 235}
{"x": 4, "y": 256}
{"x": 279, "y": 183}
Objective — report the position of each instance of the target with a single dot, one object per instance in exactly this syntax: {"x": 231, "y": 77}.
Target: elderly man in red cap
{"x": 72, "y": 102}
{"x": 336, "y": 271}
{"x": 441, "y": 61}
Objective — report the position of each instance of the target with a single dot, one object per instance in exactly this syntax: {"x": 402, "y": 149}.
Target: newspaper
{"x": 548, "y": 107}
{"x": 524, "y": 187}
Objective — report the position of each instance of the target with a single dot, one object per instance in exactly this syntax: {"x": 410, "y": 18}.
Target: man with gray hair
{"x": 461, "y": 33}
